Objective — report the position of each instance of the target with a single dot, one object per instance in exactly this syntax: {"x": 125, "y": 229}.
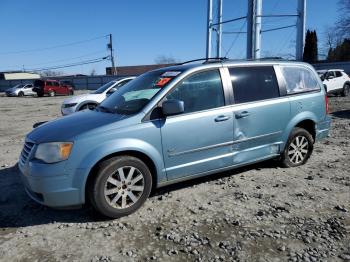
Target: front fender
{"x": 118, "y": 146}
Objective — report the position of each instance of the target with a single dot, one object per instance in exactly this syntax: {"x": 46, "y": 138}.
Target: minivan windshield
{"x": 103, "y": 88}
{"x": 133, "y": 96}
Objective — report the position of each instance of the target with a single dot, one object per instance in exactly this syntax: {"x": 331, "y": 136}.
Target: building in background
{"x": 18, "y": 75}
{"x": 134, "y": 70}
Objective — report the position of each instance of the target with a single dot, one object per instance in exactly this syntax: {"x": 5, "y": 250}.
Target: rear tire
{"x": 346, "y": 90}
{"x": 298, "y": 149}
{"x": 71, "y": 93}
{"x": 20, "y": 94}
{"x": 121, "y": 185}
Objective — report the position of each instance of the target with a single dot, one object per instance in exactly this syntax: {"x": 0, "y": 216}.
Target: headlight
{"x": 69, "y": 105}
{"x": 53, "y": 152}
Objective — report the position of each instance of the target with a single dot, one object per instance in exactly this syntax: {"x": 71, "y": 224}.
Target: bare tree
{"x": 48, "y": 73}
{"x": 163, "y": 59}
{"x": 93, "y": 72}
{"x": 343, "y": 23}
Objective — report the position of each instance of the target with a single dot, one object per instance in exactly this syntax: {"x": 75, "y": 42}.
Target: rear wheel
{"x": 21, "y": 94}
{"x": 346, "y": 90}
{"x": 298, "y": 149}
{"x": 71, "y": 92}
{"x": 121, "y": 185}
{"x": 52, "y": 93}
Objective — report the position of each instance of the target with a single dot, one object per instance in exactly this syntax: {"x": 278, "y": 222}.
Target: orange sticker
{"x": 163, "y": 81}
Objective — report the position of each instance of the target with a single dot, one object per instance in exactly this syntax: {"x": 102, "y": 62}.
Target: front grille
{"x": 27, "y": 148}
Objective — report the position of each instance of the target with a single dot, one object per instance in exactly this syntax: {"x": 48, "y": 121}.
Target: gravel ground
{"x": 257, "y": 213}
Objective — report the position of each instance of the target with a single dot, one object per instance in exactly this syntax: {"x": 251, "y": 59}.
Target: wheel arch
{"x": 86, "y": 103}
{"x": 306, "y": 120}
{"x": 134, "y": 153}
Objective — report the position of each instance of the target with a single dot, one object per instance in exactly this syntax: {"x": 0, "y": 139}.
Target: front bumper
{"x": 68, "y": 110}
{"x": 11, "y": 94}
{"x": 51, "y": 184}
{"x": 322, "y": 129}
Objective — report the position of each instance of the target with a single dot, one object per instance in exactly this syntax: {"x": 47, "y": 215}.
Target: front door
{"x": 260, "y": 115}
{"x": 200, "y": 139}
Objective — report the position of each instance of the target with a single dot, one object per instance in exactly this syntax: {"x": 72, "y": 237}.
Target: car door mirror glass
{"x": 173, "y": 107}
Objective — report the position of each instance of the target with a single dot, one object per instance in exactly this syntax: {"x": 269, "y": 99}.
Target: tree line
{"x": 337, "y": 38}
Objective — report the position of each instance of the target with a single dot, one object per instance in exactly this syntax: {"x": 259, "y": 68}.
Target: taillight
{"x": 326, "y": 102}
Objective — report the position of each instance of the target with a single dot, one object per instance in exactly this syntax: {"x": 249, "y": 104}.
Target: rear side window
{"x": 48, "y": 83}
{"x": 253, "y": 83}
{"x": 200, "y": 91}
{"x": 299, "y": 80}
{"x": 338, "y": 74}
{"x": 55, "y": 84}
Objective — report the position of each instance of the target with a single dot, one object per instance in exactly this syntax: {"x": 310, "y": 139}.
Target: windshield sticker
{"x": 171, "y": 73}
{"x": 163, "y": 81}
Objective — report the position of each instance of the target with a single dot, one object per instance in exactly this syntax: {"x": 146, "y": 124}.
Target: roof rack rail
{"x": 206, "y": 60}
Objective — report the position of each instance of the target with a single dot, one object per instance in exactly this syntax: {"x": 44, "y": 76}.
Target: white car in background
{"x": 90, "y": 101}
{"x": 21, "y": 90}
{"x": 335, "y": 81}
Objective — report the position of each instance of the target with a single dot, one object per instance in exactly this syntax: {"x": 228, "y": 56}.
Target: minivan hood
{"x": 65, "y": 128}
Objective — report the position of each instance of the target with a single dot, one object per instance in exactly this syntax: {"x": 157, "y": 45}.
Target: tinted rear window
{"x": 38, "y": 83}
{"x": 253, "y": 83}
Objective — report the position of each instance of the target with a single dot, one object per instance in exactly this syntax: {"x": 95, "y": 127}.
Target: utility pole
{"x": 301, "y": 20}
{"x": 254, "y": 29}
{"x": 257, "y": 29}
{"x": 250, "y": 22}
{"x": 209, "y": 29}
{"x": 110, "y": 47}
{"x": 219, "y": 30}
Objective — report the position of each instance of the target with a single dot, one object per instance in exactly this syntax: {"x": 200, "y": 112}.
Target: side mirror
{"x": 173, "y": 107}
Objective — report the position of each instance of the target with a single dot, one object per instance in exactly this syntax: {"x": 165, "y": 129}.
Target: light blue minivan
{"x": 173, "y": 124}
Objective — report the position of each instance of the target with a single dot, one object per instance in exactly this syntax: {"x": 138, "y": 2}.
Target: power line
{"x": 234, "y": 41}
{"x": 52, "y": 47}
{"x": 67, "y": 59}
{"x": 91, "y": 61}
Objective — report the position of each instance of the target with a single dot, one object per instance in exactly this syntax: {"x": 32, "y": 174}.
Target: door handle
{"x": 242, "y": 114}
{"x": 222, "y": 118}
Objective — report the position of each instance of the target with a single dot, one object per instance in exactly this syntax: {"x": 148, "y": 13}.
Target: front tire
{"x": 121, "y": 185}
{"x": 88, "y": 106}
{"x": 298, "y": 149}
{"x": 346, "y": 90}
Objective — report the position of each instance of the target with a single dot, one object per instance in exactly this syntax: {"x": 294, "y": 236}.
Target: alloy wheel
{"x": 124, "y": 187}
{"x": 298, "y": 149}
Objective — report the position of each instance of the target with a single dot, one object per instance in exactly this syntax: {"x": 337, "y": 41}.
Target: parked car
{"x": 336, "y": 81}
{"x": 20, "y": 90}
{"x": 51, "y": 88}
{"x": 174, "y": 124}
{"x": 67, "y": 82}
{"x": 90, "y": 101}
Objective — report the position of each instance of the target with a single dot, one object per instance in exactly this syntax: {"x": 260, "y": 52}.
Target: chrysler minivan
{"x": 173, "y": 124}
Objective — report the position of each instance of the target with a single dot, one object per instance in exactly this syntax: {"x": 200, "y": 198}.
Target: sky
{"x": 39, "y": 34}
